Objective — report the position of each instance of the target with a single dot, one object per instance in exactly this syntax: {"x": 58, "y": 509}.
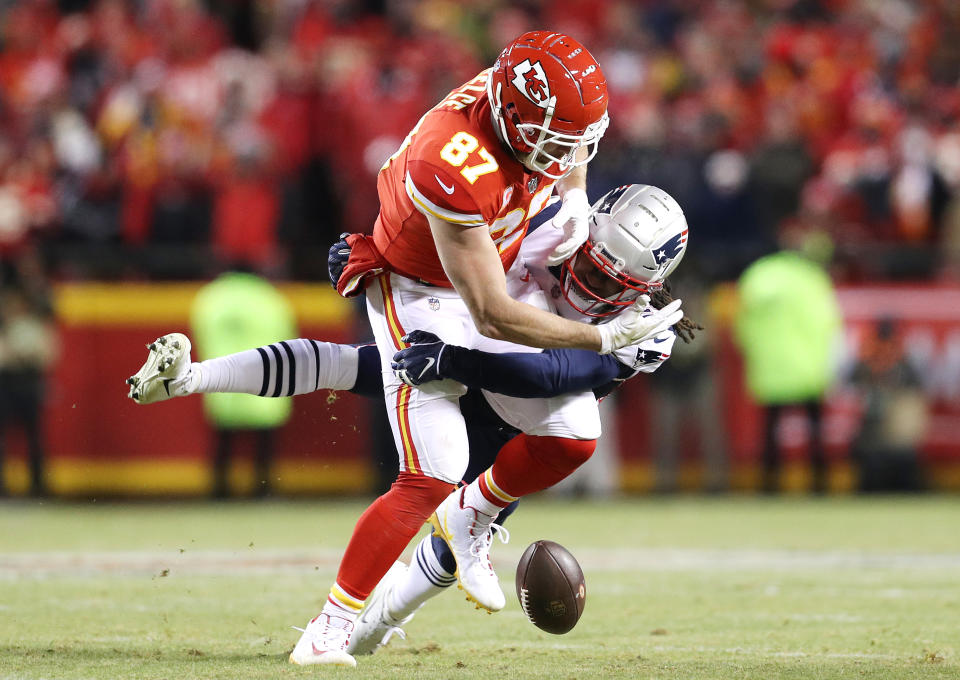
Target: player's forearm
{"x": 504, "y": 318}
{"x": 577, "y": 179}
{"x": 529, "y": 375}
{"x": 472, "y": 263}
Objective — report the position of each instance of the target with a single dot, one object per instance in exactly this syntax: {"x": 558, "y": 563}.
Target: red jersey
{"x": 453, "y": 166}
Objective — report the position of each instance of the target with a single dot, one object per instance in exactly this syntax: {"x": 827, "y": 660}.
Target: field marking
{"x": 737, "y": 559}
{"x": 732, "y": 651}
{"x": 700, "y": 649}
{"x": 41, "y": 564}
{"x": 54, "y": 563}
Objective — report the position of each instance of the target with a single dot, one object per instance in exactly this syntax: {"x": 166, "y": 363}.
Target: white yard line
{"x": 42, "y": 564}
{"x": 732, "y": 651}
{"x": 45, "y": 564}
{"x": 739, "y": 559}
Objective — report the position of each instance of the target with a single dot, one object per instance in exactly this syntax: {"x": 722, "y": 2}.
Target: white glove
{"x": 573, "y": 218}
{"x": 636, "y": 325}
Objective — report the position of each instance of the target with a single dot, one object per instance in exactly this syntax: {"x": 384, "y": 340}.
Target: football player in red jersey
{"x": 637, "y": 236}
{"x": 456, "y": 200}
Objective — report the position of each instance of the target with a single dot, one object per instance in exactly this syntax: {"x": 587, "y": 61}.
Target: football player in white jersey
{"x": 638, "y": 235}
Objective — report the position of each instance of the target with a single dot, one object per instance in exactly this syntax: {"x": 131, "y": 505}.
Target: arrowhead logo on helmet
{"x": 548, "y": 100}
{"x": 532, "y": 82}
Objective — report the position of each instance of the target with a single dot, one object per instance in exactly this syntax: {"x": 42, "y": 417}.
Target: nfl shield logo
{"x": 434, "y": 303}
{"x": 533, "y": 183}
{"x": 556, "y": 608}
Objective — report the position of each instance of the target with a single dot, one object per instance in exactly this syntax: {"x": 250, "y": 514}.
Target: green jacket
{"x": 239, "y": 312}
{"x": 787, "y": 328}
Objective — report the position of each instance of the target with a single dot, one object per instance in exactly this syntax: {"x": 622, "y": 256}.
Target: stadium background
{"x": 146, "y": 146}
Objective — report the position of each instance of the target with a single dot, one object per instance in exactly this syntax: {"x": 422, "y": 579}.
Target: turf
{"x": 676, "y": 588}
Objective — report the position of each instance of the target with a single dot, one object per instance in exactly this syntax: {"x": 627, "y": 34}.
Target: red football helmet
{"x": 549, "y": 99}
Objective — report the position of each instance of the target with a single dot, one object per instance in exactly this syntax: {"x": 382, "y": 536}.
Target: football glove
{"x": 636, "y": 324}
{"x": 573, "y": 219}
{"x": 420, "y": 362}
{"x": 337, "y": 259}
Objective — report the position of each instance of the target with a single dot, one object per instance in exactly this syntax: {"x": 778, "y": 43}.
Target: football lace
{"x": 525, "y": 603}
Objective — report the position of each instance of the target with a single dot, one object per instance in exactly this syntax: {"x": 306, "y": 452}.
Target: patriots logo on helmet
{"x": 671, "y": 248}
{"x": 531, "y": 80}
{"x": 611, "y": 198}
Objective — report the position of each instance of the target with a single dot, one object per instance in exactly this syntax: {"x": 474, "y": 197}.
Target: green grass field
{"x": 682, "y": 588}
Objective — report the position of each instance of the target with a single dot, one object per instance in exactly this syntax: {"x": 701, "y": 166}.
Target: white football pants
{"x": 428, "y": 427}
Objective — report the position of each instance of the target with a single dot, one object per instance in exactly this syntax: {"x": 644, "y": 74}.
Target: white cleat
{"x": 375, "y": 626}
{"x": 469, "y": 534}
{"x": 324, "y": 641}
{"x": 166, "y": 372}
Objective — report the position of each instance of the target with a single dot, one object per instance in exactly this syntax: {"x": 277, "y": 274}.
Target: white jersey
{"x": 427, "y": 424}
{"x": 530, "y": 270}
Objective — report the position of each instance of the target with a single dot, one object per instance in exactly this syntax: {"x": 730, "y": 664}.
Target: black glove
{"x": 420, "y": 362}
{"x": 337, "y": 259}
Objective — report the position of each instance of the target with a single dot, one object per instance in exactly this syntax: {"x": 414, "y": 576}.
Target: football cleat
{"x": 375, "y": 626}
{"x": 166, "y": 372}
{"x": 469, "y": 534}
{"x": 324, "y": 641}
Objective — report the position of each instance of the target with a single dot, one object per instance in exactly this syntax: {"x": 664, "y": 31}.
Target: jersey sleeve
{"x": 427, "y": 186}
{"x": 649, "y": 355}
{"x": 435, "y": 174}
{"x": 539, "y": 244}
{"x": 523, "y": 374}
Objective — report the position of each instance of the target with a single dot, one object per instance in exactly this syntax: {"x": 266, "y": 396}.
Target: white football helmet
{"x": 638, "y": 236}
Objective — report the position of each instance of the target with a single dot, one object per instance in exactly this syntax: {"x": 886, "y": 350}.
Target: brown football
{"x": 550, "y": 587}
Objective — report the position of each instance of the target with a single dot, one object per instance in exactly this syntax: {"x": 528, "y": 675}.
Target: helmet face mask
{"x": 548, "y": 98}
{"x": 597, "y": 287}
{"x": 550, "y": 148}
{"x": 638, "y": 235}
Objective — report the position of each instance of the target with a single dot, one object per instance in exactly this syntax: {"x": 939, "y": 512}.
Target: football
{"x": 550, "y": 587}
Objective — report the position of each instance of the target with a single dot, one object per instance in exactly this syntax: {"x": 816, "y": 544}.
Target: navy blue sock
{"x": 443, "y": 554}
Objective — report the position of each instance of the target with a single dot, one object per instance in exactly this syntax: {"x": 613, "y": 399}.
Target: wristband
{"x": 606, "y": 338}
{"x": 576, "y": 195}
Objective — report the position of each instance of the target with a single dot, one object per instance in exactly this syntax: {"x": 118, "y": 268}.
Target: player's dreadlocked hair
{"x": 686, "y": 326}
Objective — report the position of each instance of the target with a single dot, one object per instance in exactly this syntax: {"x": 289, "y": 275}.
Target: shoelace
{"x": 480, "y": 548}
{"x": 391, "y": 631}
{"x": 393, "y": 626}
{"x": 328, "y": 634}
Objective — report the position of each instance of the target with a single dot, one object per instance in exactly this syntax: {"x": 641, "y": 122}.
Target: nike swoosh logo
{"x": 657, "y": 341}
{"x": 449, "y": 189}
{"x": 430, "y": 362}
{"x": 166, "y": 385}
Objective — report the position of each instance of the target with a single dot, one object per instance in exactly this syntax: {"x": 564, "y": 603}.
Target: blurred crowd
{"x": 169, "y": 138}
{"x": 176, "y": 139}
